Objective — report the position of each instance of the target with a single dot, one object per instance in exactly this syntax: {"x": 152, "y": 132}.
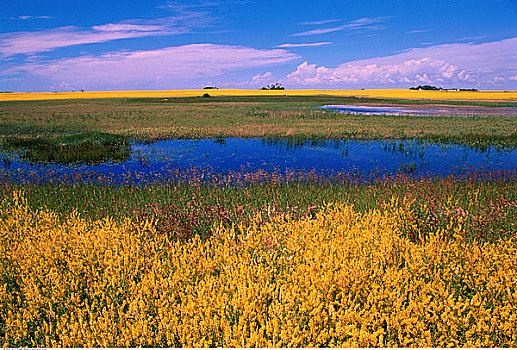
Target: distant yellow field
{"x": 388, "y": 93}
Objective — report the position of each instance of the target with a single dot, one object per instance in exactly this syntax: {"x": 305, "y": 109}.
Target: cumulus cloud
{"x": 51, "y": 39}
{"x": 355, "y": 25}
{"x": 473, "y": 65}
{"x": 287, "y": 45}
{"x": 261, "y": 78}
{"x": 175, "y": 66}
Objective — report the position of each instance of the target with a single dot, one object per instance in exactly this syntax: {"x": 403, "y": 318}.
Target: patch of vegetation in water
{"x": 479, "y": 141}
{"x": 87, "y": 148}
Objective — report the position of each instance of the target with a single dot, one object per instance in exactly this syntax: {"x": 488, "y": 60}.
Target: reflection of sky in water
{"x": 405, "y": 110}
{"x": 157, "y": 160}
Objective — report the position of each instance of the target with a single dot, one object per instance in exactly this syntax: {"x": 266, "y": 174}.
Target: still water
{"x": 424, "y": 110}
{"x": 158, "y": 161}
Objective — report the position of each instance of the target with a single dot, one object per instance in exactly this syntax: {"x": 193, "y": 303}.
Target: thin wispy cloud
{"x": 288, "y": 45}
{"x": 188, "y": 6}
{"x": 418, "y": 31}
{"x": 172, "y": 66}
{"x": 448, "y": 65}
{"x": 355, "y": 25}
{"x": 473, "y": 38}
{"x": 51, "y": 39}
{"x": 207, "y": 7}
{"x": 128, "y": 28}
{"x": 23, "y": 18}
{"x": 319, "y": 23}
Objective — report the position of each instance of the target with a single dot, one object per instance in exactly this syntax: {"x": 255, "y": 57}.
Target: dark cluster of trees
{"x": 275, "y": 86}
{"x": 425, "y": 87}
{"x": 431, "y": 87}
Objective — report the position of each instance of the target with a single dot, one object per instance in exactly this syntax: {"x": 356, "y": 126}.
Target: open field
{"x": 195, "y": 117}
{"x": 390, "y": 93}
{"x": 253, "y": 258}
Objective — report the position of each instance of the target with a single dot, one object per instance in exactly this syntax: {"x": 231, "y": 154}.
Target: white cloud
{"x": 318, "y": 23}
{"x": 23, "y": 18}
{"x": 417, "y": 31}
{"x": 473, "y": 65}
{"x": 48, "y": 40}
{"x": 261, "y": 78}
{"x": 173, "y": 66}
{"x": 287, "y": 45}
{"x": 355, "y": 25}
{"x": 127, "y": 28}
{"x": 33, "y": 42}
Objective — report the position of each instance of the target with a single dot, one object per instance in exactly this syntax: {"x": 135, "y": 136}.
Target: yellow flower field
{"x": 342, "y": 278}
{"x": 388, "y": 93}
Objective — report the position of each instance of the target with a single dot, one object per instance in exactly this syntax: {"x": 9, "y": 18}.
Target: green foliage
{"x": 88, "y": 147}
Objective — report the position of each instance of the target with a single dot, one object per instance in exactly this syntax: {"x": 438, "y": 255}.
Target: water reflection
{"x": 158, "y": 161}
{"x": 423, "y": 110}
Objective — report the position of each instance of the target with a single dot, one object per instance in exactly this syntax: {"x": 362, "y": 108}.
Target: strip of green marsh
{"x": 214, "y": 117}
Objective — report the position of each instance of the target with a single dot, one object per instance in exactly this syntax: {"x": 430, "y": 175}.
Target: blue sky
{"x": 154, "y": 45}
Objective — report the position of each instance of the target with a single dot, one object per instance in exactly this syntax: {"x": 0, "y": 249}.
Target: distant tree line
{"x": 431, "y": 87}
{"x": 275, "y": 86}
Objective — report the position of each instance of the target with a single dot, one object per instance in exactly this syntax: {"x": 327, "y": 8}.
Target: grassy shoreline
{"x": 191, "y": 207}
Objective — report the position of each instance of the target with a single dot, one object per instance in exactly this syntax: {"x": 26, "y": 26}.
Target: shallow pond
{"x": 164, "y": 160}
{"x": 424, "y": 110}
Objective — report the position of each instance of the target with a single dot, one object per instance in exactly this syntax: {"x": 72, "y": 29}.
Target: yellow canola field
{"x": 388, "y": 93}
{"x": 341, "y": 279}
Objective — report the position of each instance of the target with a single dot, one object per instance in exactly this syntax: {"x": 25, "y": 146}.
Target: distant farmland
{"x": 387, "y": 93}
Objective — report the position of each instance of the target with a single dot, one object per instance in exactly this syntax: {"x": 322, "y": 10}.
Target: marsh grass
{"x": 89, "y": 148}
{"x": 191, "y": 207}
{"x": 217, "y": 117}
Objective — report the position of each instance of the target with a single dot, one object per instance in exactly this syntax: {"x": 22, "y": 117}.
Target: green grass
{"x": 295, "y": 117}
